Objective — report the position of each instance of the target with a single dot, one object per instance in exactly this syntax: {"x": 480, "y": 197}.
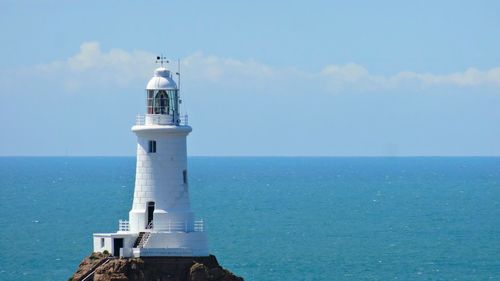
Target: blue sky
{"x": 316, "y": 78}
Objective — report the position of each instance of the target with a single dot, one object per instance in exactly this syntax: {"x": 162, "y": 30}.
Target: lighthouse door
{"x": 117, "y": 245}
{"x": 151, "y": 209}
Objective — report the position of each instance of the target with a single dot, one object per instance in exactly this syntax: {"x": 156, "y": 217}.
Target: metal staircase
{"x": 144, "y": 240}
{"x": 138, "y": 240}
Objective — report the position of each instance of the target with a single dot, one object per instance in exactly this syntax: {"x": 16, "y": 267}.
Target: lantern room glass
{"x": 162, "y": 102}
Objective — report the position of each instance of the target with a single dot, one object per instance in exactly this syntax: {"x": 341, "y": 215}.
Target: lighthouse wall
{"x": 161, "y": 177}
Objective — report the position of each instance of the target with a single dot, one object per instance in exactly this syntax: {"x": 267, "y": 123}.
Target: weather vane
{"x": 161, "y": 59}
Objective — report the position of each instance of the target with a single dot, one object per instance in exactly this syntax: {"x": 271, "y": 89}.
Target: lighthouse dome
{"x": 162, "y": 80}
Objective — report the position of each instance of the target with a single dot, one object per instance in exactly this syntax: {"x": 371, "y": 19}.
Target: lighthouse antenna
{"x": 179, "y": 74}
{"x": 161, "y": 59}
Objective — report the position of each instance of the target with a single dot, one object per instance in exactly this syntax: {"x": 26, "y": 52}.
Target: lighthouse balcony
{"x": 196, "y": 226}
{"x": 161, "y": 119}
{"x": 170, "y": 226}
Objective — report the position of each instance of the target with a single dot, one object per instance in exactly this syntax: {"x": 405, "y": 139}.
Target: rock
{"x": 153, "y": 269}
{"x": 87, "y": 264}
{"x": 217, "y": 273}
{"x": 198, "y": 272}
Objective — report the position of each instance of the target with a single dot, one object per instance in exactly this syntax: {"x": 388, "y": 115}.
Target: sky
{"x": 259, "y": 78}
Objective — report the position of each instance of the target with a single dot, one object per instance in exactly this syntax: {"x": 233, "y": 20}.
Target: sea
{"x": 270, "y": 218}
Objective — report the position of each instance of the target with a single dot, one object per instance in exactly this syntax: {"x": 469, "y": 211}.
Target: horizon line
{"x": 260, "y": 156}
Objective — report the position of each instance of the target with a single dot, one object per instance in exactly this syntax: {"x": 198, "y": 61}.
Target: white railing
{"x": 123, "y": 225}
{"x": 196, "y": 226}
{"x": 161, "y": 119}
{"x": 199, "y": 226}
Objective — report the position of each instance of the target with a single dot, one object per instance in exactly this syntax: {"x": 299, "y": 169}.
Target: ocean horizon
{"x": 270, "y": 218}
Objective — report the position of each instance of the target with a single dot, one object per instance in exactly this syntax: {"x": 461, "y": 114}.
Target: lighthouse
{"x": 161, "y": 222}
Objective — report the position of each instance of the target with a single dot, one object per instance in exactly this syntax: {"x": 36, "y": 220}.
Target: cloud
{"x": 118, "y": 67}
{"x": 218, "y": 69}
{"x": 350, "y": 74}
{"x": 470, "y": 77}
{"x": 91, "y": 65}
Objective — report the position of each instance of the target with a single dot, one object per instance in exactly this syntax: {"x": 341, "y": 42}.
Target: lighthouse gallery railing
{"x": 198, "y": 226}
{"x": 161, "y": 119}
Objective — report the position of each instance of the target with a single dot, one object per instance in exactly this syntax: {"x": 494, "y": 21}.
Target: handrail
{"x": 197, "y": 226}
{"x": 94, "y": 268}
{"x": 144, "y": 240}
{"x": 176, "y": 226}
{"x": 161, "y": 119}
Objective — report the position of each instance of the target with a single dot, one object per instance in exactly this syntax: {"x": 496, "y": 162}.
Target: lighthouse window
{"x": 161, "y": 103}
{"x": 185, "y": 176}
{"x": 150, "y": 101}
{"x": 152, "y": 146}
{"x": 102, "y": 242}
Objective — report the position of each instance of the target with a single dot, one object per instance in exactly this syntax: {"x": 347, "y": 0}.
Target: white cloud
{"x": 470, "y": 77}
{"x": 350, "y": 72}
{"x": 226, "y": 70}
{"x": 120, "y": 67}
{"x": 92, "y": 65}
{"x": 353, "y": 73}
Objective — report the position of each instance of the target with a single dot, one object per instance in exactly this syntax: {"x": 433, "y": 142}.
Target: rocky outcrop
{"x": 200, "y": 272}
{"x": 88, "y": 265}
{"x": 104, "y": 268}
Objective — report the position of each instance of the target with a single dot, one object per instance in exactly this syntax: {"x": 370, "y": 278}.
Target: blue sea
{"x": 270, "y": 219}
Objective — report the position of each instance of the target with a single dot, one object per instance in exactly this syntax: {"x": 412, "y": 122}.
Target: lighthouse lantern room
{"x": 161, "y": 222}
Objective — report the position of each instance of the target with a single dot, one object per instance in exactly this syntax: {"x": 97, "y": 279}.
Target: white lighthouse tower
{"x": 161, "y": 222}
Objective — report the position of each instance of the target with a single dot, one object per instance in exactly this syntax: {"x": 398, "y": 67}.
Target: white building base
{"x": 108, "y": 242}
{"x": 159, "y": 244}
